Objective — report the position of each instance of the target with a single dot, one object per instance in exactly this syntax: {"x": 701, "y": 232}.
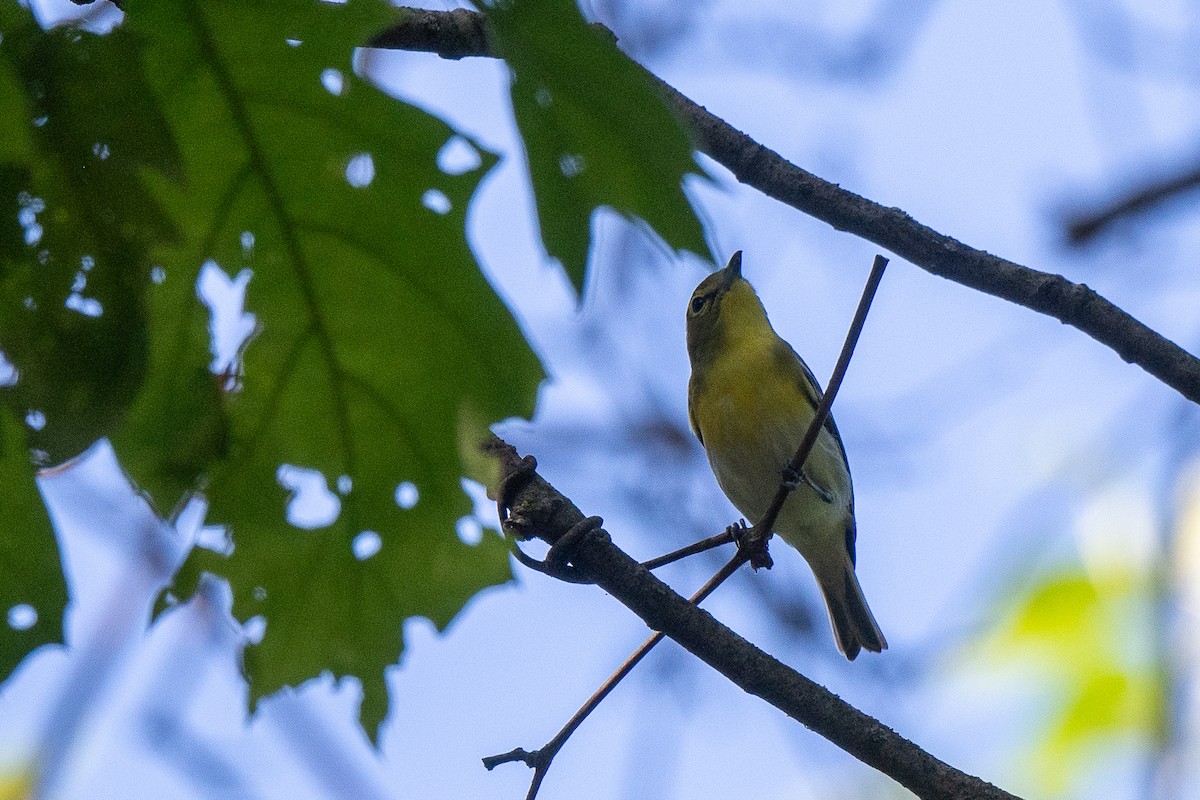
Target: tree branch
{"x": 538, "y": 510}
{"x": 461, "y": 33}
{"x": 1141, "y": 199}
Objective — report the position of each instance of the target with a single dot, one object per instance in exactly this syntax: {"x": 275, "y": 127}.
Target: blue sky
{"x": 980, "y": 434}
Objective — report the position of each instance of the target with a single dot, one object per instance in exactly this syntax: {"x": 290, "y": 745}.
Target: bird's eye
{"x": 698, "y": 304}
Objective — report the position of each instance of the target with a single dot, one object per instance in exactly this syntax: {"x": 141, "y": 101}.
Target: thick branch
{"x": 456, "y": 34}
{"x": 538, "y": 510}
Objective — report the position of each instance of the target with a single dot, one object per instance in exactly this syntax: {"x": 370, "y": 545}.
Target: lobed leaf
{"x": 595, "y": 132}
{"x": 377, "y": 334}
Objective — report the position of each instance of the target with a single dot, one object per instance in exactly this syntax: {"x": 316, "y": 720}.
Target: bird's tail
{"x": 854, "y": 626}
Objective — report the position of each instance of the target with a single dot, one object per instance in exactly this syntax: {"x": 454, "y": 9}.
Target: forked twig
{"x": 752, "y": 548}
{"x": 541, "y": 758}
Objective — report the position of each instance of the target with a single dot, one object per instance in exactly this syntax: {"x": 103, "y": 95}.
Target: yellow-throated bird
{"x": 750, "y": 401}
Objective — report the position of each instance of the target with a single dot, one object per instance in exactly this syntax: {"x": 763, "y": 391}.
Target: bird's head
{"x": 723, "y": 304}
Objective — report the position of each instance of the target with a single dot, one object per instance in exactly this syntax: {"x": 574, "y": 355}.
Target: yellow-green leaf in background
{"x": 1085, "y": 636}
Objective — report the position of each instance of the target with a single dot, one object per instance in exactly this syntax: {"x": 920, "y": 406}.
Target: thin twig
{"x": 701, "y": 546}
{"x": 1084, "y": 227}
{"x": 458, "y": 34}
{"x": 752, "y": 549}
{"x": 543, "y": 757}
{"x": 762, "y": 530}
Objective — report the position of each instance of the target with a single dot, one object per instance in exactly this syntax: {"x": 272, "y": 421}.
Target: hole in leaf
{"x": 293, "y": 42}
{"x": 436, "y": 201}
{"x": 260, "y": 593}
{"x": 215, "y": 538}
{"x": 100, "y": 150}
{"x": 345, "y": 484}
{"x": 334, "y": 81}
{"x": 35, "y": 419}
{"x": 8, "y": 373}
{"x": 543, "y": 97}
{"x": 29, "y": 208}
{"x": 158, "y": 275}
{"x": 458, "y": 156}
{"x": 254, "y": 629}
{"x": 88, "y": 306}
{"x": 360, "y": 171}
{"x": 407, "y": 495}
{"x": 469, "y": 531}
{"x": 86, "y": 263}
{"x": 311, "y": 505}
{"x": 231, "y": 326}
{"x": 22, "y": 617}
{"x": 571, "y": 165}
{"x": 247, "y": 240}
{"x": 366, "y": 544}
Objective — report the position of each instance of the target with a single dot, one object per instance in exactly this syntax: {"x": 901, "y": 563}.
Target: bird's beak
{"x": 733, "y": 270}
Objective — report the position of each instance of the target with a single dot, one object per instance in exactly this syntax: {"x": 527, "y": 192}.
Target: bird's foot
{"x": 557, "y": 563}
{"x": 792, "y": 479}
{"x": 752, "y": 544}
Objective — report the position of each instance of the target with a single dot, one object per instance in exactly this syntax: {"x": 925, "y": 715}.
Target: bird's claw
{"x": 557, "y": 561}
{"x": 791, "y": 477}
{"x": 738, "y": 531}
{"x": 752, "y": 544}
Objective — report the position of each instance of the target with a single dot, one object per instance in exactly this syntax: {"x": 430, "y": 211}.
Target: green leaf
{"x": 78, "y": 130}
{"x": 1104, "y": 705}
{"x": 377, "y": 332}
{"x": 28, "y": 557}
{"x": 82, "y": 130}
{"x": 1103, "y": 701}
{"x": 595, "y": 132}
{"x": 178, "y": 429}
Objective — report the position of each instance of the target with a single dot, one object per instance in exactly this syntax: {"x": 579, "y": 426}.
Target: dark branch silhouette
{"x": 538, "y": 510}
{"x": 461, "y": 33}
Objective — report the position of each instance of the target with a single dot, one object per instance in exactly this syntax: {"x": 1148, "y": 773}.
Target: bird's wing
{"x": 812, "y": 390}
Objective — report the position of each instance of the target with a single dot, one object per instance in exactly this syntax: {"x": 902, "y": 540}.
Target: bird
{"x": 751, "y": 399}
